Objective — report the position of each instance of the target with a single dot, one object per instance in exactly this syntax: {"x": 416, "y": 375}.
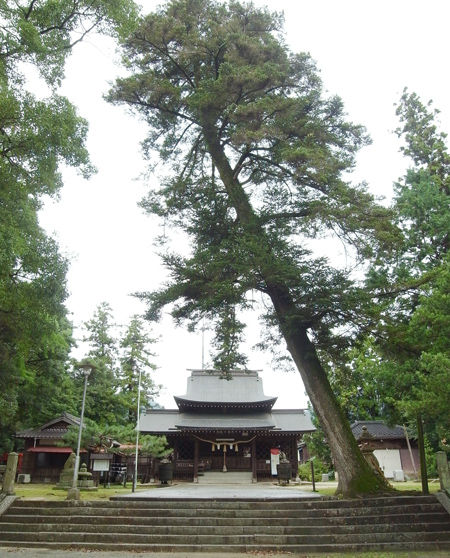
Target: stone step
{"x": 399, "y": 519}
{"x": 272, "y": 512}
{"x": 231, "y": 548}
{"x": 188, "y": 530}
{"x": 218, "y": 538}
{"x": 241, "y": 526}
{"x": 304, "y": 503}
{"x": 231, "y": 477}
{"x": 395, "y": 519}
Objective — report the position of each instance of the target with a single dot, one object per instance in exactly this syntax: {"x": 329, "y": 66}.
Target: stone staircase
{"x": 301, "y": 526}
{"x": 217, "y": 477}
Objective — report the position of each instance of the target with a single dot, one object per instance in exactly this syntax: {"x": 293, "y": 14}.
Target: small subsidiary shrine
{"x": 227, "y": 425}
{"x": 43, "y": 456}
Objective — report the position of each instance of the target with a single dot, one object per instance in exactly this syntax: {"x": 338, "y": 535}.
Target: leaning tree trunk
{"x": 355, "y": 475}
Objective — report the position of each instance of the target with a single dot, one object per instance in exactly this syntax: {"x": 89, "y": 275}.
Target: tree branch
{"x": 285, "y": 215}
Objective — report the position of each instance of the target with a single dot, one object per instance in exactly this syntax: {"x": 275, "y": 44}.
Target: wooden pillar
{"x": 254, "y": 474}
{"x": 423, "y": 463}
{"x": 195, "y": 460}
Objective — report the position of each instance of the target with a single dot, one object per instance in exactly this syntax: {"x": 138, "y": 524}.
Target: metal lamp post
{"x": 137, "y": 432}
{"x": 74, "y": 493}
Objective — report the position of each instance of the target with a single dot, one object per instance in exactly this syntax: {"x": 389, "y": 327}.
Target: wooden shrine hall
{"x": 227, "y": 425}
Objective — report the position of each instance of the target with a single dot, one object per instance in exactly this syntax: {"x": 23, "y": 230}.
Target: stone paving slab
{"x": 191, "y": 491}
{"x": 47, "y": 553}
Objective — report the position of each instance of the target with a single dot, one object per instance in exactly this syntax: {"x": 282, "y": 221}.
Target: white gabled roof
{"x": 163, "y": 421}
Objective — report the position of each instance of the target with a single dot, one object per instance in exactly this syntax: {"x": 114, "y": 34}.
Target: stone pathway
{"x": 190, "y": 491}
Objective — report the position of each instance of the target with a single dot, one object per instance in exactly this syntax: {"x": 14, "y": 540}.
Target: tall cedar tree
{"x": 102, "y": 403}
{"x": 135, "y": 360}
{"x": 257, "y": 160}
{"x": 413, "y": 285}
{"x": 37, "y": 136}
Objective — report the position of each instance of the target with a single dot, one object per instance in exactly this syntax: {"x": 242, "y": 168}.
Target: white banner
{"x": 274, "y": 460}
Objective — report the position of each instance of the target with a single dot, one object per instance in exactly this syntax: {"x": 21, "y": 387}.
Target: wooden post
{"x": 195, "y": 460}
{"x": 423, "y": 463}
{"x": 312, "y": 476}
{"x": 254, "y": 473}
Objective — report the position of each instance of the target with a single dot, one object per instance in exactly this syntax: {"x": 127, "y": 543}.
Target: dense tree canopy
{"x": 257, "y": 156}
{"x": 136, "y": 362}
{"x": 38, "y": 134}
{"x": 400, "y": 371}
{"x": 415, "y": 326}
{"x": 117, "y": 360}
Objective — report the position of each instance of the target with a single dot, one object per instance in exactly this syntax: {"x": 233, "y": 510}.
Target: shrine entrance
{"x": 227, "y": 425}
{"x": 195, "y": 454}
{"x": 225, "y": 456}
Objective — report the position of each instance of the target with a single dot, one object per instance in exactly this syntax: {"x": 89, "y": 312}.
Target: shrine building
{"x": 227, "y": 425}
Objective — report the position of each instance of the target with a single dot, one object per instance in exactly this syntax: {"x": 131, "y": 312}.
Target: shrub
{"x": 304, "y": 470}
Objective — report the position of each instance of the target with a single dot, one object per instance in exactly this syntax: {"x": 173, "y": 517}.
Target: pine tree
{"x": 256, "y": 156}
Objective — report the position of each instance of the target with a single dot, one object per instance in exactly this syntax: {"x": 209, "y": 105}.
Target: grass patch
{"x": 48, "y": 492}
{"x": 329, "y": 488}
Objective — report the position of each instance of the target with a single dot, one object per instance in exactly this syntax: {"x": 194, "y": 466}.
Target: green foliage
{"x": 430, "y": 457}
{"x": 154, "y": 446}
{"x": 360, "y": 379}
{"x": 403, "y": 368}
{"x": 204, "y": 69}
{"x": 43, "y": 32}
{"x": 135, "y": 362}
{"x": 228, "y": 333}
{"x": 96, "y": 437}
{"x": 91, "y": 436}
{"x": 38, "y": 135}
{"x": 256, "y": 157}
{"x": 111, "y": 397}
{"x": 102, "y": 404}
{"x": 304, "y": 470}
{"x": 317, "y": 444}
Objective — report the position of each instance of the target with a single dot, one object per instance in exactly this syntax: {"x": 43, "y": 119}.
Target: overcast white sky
{"x": 367, "y": 51}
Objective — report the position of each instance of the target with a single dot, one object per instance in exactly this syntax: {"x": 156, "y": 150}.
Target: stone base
{"x": 73, "y": 494}
{"x": 86, "y": 484}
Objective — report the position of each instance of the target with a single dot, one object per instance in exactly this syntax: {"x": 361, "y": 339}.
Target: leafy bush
{"x": 304, "y": 470}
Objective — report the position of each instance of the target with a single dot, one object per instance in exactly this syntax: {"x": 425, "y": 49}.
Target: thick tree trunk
{"x": 355, "y": 475}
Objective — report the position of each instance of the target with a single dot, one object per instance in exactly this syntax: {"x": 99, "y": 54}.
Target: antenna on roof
{"x": 203, "y": 344}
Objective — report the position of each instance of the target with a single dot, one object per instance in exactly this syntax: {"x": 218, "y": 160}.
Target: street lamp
{"x": 137, "y": 432}
{"x": 74, "y": 493}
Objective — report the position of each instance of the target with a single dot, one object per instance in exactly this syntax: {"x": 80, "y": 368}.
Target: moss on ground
{"x": 49, "y": 492}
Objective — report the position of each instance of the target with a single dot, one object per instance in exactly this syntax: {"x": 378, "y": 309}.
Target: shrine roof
{"x": 210, "y": 387}
{"x": 163, "y": 421}
{"x": 378, "y": 429}
{"x": 55, "y": 428}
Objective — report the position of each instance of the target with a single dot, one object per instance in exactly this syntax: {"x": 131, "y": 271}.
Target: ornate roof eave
{"x": 222, "y": 429}
{"x": 184, "y": 403}
{"x": 262, "y": 429}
